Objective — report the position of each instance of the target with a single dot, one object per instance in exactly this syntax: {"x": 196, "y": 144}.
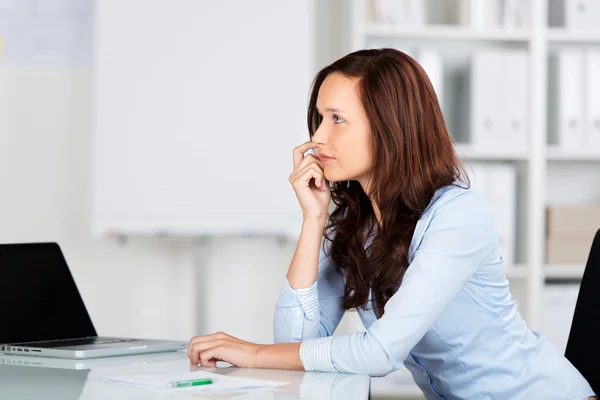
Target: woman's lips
{"x": 325, "y": 158}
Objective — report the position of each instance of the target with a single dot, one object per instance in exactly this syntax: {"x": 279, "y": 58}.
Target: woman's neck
{"x": 365, "y": 183}
{"x": 377, "y": 213}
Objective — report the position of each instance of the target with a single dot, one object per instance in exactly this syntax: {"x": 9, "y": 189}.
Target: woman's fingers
{"x": 304, "y": 176}
{"x": 208, "y": 363}
{"x": 208, "y": 358}
{"x": 301, "y": 170}
{"x": 309, "y": 159}
{"x": 208, "y": 338}
{"x": 300, "y": 150}
{"x": 201, "y": 344}
{"x": 208, "y": 350}
{"x": 200, "y": 348}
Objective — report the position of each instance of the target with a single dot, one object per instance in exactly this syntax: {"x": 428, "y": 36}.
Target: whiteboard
{"x": 197, "y": 108}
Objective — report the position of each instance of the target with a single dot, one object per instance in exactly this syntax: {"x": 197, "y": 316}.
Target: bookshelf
{"x": 472, "y": 153}
{"x": 560, "y": 35}
{"x": 564, "y": 271}
{"x": 556, "y": 154}
{"x": 447, "y": 33}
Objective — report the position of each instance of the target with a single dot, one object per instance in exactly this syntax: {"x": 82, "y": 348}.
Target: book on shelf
{"x": 592, "y": 97}
{"x": 579, "y": 15}
{"x": 400, "y": 12}
{"x": 574, "y": 99}
{"x": 570, "y": 230}
{"x": 498, "y": 107}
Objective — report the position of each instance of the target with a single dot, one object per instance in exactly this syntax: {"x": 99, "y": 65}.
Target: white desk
{"x": 28, "y": 378}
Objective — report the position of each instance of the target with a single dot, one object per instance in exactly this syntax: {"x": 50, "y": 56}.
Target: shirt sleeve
{"x": 311, "y": 312}
{"x": 460, "y": 237}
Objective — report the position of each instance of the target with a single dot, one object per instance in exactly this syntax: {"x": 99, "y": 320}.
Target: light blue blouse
{"x": 452, "y": 322}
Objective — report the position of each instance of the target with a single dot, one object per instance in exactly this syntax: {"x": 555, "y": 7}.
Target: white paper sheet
{"x": 222, "y": 383}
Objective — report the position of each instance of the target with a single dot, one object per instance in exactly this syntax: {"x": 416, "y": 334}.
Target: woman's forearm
{"x": 305, "y": 263}
{"x": 279, "y": 356}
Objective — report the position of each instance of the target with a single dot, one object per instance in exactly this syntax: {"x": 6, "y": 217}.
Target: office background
{"x": 519, "y": 86}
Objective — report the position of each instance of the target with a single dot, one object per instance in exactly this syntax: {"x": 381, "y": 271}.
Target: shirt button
{"x": 298, "y": 313}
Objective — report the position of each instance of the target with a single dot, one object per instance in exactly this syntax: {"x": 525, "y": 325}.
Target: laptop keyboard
{"x": 76, "y": 342}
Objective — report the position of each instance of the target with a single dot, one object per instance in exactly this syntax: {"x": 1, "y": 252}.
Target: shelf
{"x": 564, "y": 271}
{"x": 447, "y": 32}
{"x": 561, "y": 35}
{"x": 556, "y": 154}
{"x": 518, "y": 271}
{"x": 472, "y": 153}
{"x": 553, "y": 153}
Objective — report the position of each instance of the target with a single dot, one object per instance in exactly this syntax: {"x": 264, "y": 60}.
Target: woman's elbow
{"x": 366, "y": 358}
{"x": 373, "y": 369}
{"x": 380, "y": 371}
{"x": 382, "y": 365}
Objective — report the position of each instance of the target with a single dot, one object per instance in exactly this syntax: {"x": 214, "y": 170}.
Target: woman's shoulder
{"x": 458, "y": 210}
{"x": 458, "y": 202}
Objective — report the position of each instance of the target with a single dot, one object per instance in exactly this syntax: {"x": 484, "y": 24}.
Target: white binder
{"x": 480, "y": 13}
{"x": 499, "y": 106}
{"x": 577, "y": 15}
{"x": 582, "y": 14}
{"x": 516, "y": 13}
{"x": 514, "y": 113}
{"x": 431, "y": 61}
{"x": 400, "y": 12}
{"x": 592, "y": 99}
{"x": 566, "y": 111}
{"x": 485, "y": 99}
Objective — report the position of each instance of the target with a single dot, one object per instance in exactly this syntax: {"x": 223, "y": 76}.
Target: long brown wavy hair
{"x": 412, "y": 157}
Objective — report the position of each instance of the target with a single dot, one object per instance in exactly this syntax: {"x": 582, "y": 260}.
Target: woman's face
{"x": 344, "y": 133}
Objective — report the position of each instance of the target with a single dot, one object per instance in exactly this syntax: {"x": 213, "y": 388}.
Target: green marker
{"x": 190, "y": 383}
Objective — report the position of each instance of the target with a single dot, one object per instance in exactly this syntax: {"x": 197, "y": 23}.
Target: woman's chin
{"x": 335, "y": 176}
{"x": 334, "y": 179}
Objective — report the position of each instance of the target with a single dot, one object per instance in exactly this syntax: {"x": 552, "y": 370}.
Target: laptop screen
{"x": 38, "y": 297}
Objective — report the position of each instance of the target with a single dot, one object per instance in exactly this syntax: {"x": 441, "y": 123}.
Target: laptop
{"x": 31, "y": 361}
{"x": 43, "y": 314}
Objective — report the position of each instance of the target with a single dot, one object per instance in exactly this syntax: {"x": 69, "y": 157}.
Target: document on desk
{"x": 221, "y": 383}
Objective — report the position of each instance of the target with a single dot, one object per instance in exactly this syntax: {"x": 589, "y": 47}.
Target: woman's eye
{"x": 337, "y": 120}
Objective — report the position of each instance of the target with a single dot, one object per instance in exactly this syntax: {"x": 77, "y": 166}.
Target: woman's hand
{"x": 309, "y": 183}
{"x": 207, "y": 350}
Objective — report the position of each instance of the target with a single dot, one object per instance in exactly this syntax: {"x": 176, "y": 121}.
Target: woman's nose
{"x": 320, "y": 136}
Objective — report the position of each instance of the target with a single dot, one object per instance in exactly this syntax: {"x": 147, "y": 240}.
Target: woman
{"x": 408, "y": 246}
